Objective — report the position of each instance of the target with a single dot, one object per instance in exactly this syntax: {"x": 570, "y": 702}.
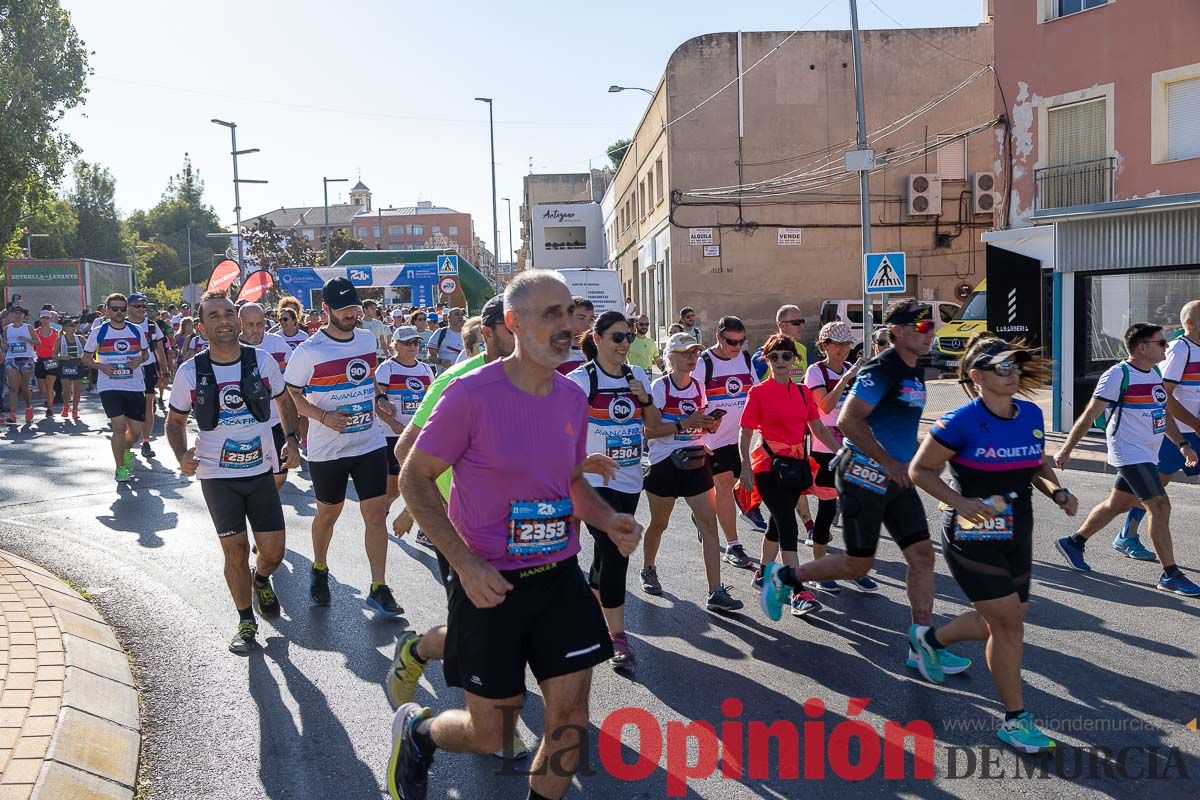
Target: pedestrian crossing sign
{"x": 884, "y": 273}
{"x": 447, "y": 265}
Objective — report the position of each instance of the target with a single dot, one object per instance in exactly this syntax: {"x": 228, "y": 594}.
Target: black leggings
{"x": 826, "y": 509}
{"x": 609, "y": 567}
{"x": 782, "y": 527}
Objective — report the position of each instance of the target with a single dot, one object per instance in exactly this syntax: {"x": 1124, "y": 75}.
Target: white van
{"x": 851, "y": 311}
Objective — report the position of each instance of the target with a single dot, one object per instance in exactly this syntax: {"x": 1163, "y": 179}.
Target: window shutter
{"x": 952, "y": 160}
{"x": 1183, "y": 119}
{"x": 1078, "y": 133}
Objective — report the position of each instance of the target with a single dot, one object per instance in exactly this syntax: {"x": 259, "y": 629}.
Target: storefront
{"x": 1116, "y": 264}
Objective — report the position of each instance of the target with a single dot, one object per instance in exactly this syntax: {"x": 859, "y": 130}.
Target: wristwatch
{"x": 1054, "y": 494}
{"x": 294, "y": 435}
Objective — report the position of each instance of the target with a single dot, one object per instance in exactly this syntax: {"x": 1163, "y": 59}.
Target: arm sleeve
{"x": 752, "y": 413}
{"x": 1175, "y": 362}
{"x": 949, "y": 431}
{"x": 183, "y": 388}
{"x": 1109, "y": 386}
{"x": 873, "y": 383}
{"x": 447, "y": 434}
{"x": 299, "y": 369}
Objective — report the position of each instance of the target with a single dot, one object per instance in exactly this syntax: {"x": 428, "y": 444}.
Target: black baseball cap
{"x": 493, "y": 311}
{"x": 340, "y": 293}
{"x": 908, "y": 313}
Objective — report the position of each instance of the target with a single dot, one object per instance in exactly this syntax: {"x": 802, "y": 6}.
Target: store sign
{"x": 46, "y": 273}
{"x": 712, "y": 250}
{"x": 1014, "y": 296}
{"x": 700, "y": 236}
{"x": 789, "y": 237}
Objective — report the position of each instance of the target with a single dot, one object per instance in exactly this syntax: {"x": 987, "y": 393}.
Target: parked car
{"x": 951, "y": 339}
{"x": 850, "y": 311}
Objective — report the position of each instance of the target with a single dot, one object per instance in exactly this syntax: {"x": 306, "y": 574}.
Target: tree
{"x": 181, "y": 209}
{"x": 339, "y": 243}
{"x": 43, "y": 73}
{"x": 617, "y": 150}
{"x": 56, "y": 219}
{"x": 99, "y": 232}
{"x": 270, "y": 248}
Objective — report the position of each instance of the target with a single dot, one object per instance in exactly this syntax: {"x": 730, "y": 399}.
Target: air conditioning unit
{"x": 983, "y": 192}
{"x": 924, "y": 195}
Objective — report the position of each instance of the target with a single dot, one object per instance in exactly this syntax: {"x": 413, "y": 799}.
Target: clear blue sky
{"x": 386, "y": 89}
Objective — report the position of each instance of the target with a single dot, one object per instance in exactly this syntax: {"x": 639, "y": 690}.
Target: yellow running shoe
{"x": 406, "y": 669}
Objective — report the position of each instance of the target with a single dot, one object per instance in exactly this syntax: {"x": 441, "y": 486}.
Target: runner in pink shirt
{"x": 515, "y": 434}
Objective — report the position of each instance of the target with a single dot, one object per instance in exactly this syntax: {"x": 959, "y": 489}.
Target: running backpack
{"x": 254, "y": 392}
{"x": 706, "y": 356}
{"x": 594, "y": 378}
{"x": 1114, "y": 409}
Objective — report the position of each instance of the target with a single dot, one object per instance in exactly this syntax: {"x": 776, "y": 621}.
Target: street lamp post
{"x": 495, "y": 215}
{"x": 614, "y": 89}
{"x": 133, "y": 260}
{"x": 512, "y": 252}
{"x": 237, "y": 198}
{"x": 29, "y": 237}
{"x": 325, "y": 183}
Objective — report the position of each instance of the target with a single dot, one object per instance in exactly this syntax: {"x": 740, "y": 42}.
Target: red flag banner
{"x": 256, "y": 286}
{"x": 224, "y": 275}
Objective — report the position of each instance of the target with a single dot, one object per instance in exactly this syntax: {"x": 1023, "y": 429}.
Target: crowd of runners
{"x": 499, "y": 437}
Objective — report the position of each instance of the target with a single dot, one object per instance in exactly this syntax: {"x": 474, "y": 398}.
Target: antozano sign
{"x": 558, "y": 216}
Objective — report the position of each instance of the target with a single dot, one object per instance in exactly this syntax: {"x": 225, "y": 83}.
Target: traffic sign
{"x": 448, "y": 285}
{"x": 447, "y": 265}
{"x": 884, "y": 273}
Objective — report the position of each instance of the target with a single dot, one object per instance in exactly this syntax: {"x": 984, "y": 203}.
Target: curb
{"x": 82, "y": 730}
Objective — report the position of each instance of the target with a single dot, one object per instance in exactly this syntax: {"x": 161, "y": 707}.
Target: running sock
{"x": 422, "y": 734}
{"x": 1078, "y": 540}
{"x": 789, "y": 578}
{"x": 1172, "y": 571}
{"x": 416, "y": 655}
{"x": 261, "y": 581}
{"x": 1132, "y": 520}
{"x": 321, "y": 567}
{"x": 931, "y": 639}
{"x": 535, "y": 796}
{"x": 730, "y": 545}
{"x": 1009, "y": 716}
{"x": 375, "y": 585}
{"x": 246, "y": 614}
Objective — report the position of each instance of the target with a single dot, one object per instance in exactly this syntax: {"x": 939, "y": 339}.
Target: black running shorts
{"x": 280, "y": 440}
{"x": 1140, "y": 480}
{"x": 824, "y": 476}
{"x": 667, "y": 480}
{"x": 368, "y": 471}
{"x": 41, "y": 373}
{"x": 150, "y": 372}
{"x": 727, "y": 459}
{"x": 131, "y": 405}
{"x": 393, "y": 462}
{"x": 233, "y": 501}
{"x": 865, "y": 514}
{"x": 549, "y": 621}
{"x": 989, "y": 570}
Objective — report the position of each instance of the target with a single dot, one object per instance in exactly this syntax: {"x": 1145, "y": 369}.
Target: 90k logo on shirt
{"x": 358, "y": 371}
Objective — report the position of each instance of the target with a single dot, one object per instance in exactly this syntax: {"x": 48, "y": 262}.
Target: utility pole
{"x": 495, "y": 215}
{"x": 189, "y": 254}
{"x": 864, "y": 176}
{"x": 237, "y": 197}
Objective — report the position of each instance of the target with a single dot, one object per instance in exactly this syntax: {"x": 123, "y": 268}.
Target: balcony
{"x": 1082, "y": 183}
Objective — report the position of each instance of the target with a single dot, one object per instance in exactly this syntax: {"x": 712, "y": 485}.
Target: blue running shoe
{"x": 1073, "y": 553}
{"x": 408, "y": 768}
{"x": 952, "y": 664}
{"x": 866, "y": 584}
{"x": 757, "y": 583}
{"x": 755, "y": 518}
{"x": 775, "y": 593}
{"x": 1023, "y": 735}
{"x": 828, "y": 587}
{"x": 804, "y": 603}
{"x": 928, "y": 662}
{"x": 1132, "y": 547}
{"x": 1180, "y": 584}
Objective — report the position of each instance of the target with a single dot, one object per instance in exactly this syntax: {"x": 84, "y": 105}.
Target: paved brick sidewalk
{"x": 69, "y": 719}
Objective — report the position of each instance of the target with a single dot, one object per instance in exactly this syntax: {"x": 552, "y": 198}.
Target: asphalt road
{"x": 1108, "y": 661}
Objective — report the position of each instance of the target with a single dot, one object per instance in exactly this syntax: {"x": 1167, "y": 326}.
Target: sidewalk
{"x": 69, "y": 718}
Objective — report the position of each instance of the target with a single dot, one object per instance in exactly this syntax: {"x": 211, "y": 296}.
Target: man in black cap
{"x": 331, "y": 378}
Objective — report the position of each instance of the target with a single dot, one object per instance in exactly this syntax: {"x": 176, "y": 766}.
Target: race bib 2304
{"x": 625, "y": 450}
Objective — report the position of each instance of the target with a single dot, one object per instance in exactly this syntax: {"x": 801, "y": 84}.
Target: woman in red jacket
{"x": 781, "y": 411}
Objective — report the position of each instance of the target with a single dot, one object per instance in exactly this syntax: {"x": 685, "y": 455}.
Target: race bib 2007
{"x": 864, "y": 473}
{"x": 362, "y": 416}
{"x": 241, "y": 455}
{"x": 538, "y": 527}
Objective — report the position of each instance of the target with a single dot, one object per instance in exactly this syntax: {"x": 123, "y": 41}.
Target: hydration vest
{"x": 207, "y": 407}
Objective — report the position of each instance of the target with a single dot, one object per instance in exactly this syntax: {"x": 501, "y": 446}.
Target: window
{"x": 437, "y": 230}
{"x": 658, "y": 179}
{"x": 1062, "y": 8}
{"x": 362, "y": 233}
{"x": 1079, "y": 171}
{"x": 375, "y": 231}
{"x": 642, "y": 198}
{"x": 452, "y": 230}
{"x": 650, "y": 190}
{"x": 307, "y": 233}
{"x": 1183, "y": 119}
{"x": 416, "y": 230}
{"x": 952, "y": 159}
{"x": 1111, "y": 303}
{"x": 947, "y": 312}
{"x": 395, "y": 230}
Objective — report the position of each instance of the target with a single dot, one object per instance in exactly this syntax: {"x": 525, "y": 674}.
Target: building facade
{"x": 736, "y": 201}
{"x": 420, "y": 227}
{"x": 572, "y": 187}
{"x": 1100, "y": 178}
{"x": 309, "y": 221}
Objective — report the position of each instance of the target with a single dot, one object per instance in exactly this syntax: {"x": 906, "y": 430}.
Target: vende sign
{"x": 789, "y": 237}
{"x": 700, "y": 236}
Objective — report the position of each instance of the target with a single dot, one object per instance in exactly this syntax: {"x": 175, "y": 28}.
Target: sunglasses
{"x": 138, "y": 305}
{"x": 118, "y": 309}
{"x": 1004, "y": 369}
{"x": 410, "y": 342}
{"x": 1160, "y": 342}
{"x": 780, "y": 355}
{"x": 922, "y": 326}
{"x": 791, "y": 322}
{"x": 734, "y": 342}
{"x": 617, "y": 338}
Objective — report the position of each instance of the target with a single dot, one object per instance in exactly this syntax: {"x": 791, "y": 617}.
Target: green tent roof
{"x": 476, "y": 288}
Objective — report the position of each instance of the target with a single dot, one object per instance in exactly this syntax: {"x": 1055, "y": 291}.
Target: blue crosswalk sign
{"x": 447, "y": 265}
{"x": 884, "y": 273}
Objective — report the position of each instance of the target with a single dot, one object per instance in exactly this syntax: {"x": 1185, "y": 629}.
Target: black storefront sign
{"x": 1014, "y": 296}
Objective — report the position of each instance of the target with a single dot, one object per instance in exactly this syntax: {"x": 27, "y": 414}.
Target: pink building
{"x": 1099, "y": 175}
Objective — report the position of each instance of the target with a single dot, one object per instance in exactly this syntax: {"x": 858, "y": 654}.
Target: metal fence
{"x": 1079, "y": 184}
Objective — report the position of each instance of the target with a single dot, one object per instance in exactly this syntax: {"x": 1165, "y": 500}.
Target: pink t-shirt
{"x": 513, "y": 456}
